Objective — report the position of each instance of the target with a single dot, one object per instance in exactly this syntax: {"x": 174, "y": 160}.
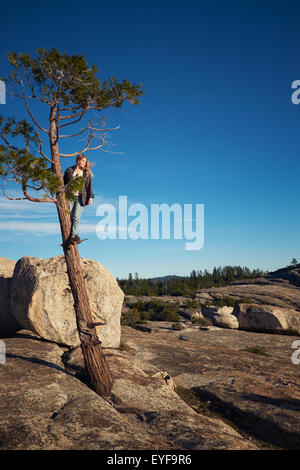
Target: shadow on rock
{"x": 280, "y": 403}
{"x": 35, "y": 360}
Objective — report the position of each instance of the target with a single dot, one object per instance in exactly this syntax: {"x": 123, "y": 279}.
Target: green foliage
{"x": 159, "y": 311}
{"x": 177, "y": 326}
{"x": 155, "y": 306}
{"x": 154, "y": 310}
{"x": 140, "y": 306}
{"x": 20, "y": 164}
{"x": 193, "y": 304}
{"x": 256, "y": 350}
{"x": 201, "y": 321}
{"x": 124, "y": 346}
{"x": 130, "y": 318}
{"x": 245, "y": 300}
{"x": 74, "y": 185}
{"x": 226, "y": 301}
{"x": 231, "y": 302}
{"x": 190, "y": 397}
{"x": 67, "y": 84}
{"x": 133, "y": 317}
{"x": 186, "y": 285}
{"x": 74, "y": 81}
{"x": 168, "y": 313}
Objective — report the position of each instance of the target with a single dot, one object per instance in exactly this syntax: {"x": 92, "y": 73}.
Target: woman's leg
{"x": 71, "y": 206}
{"x": 76, "y": 212}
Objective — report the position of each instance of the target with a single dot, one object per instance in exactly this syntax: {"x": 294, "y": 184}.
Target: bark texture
{"x": 99, "y": 375}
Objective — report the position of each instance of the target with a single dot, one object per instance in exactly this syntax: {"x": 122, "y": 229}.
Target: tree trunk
{"x": 99, "y": 375}
{"x": 96, "y": 366}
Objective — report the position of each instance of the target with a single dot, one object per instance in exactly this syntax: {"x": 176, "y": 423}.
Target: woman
{"x": 83, "y": 198}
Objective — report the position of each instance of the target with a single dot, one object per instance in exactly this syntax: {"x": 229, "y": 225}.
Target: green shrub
{"x": 155, "y": 310}
{"x": 132, "y": 318}
{"x": 256, "y": 350}
{"x": 177, "y": 326}
{"x": 124, "y": 346}
{"x": 245, "y": 300}
{"x": 167, "y": 313}
{"x": 171, "y": 314}
{"x": 201, "y": 321}
{"x": 192, "y": 304}
{"x": 155, "y": 305}
{"x": 226, "y": 302}
{"x": 190, "y": 397}
{"x": 140, "y": 306}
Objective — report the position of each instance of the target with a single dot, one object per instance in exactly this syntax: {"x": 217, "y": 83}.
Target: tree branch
{"x": 36, "y": 189}
{"x": 32, "y": 89}
{"x": 41, "y": 148}
{"x": 12, "y": 198}
{"x": 93, "y": 129}
{"x": 70, "y": 108}
{"x": 86, "y": 148}
{"x": 70, "y": 117}
{"x": 74, "y": 135}
{"x": 104, "y": 130}
{"x": 110, "y": 151}
{"x": 28, "y": 109}
{"x": 34, "y": 199}
{"x": 7, "y": 143}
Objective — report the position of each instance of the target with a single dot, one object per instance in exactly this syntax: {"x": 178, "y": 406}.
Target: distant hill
{"x": 290, "y": 267}
{"x": 165, "y": 278}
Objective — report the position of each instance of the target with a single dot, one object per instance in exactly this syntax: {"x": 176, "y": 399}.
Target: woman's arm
{"x": 67, "y": 176}
{"x": 89, "y": 191}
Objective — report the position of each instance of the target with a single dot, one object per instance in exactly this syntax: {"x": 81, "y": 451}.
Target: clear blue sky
{"x": 216, "y": 127}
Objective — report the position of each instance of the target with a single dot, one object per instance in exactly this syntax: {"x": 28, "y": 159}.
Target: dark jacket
{"x": 87, "y": 191}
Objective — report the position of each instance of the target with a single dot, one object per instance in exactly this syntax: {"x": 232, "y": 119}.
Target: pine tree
{"x": 66, "y": 90}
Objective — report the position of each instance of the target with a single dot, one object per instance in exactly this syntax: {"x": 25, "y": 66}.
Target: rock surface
{"x": 43, "y": 405}
{"x": 269, "y": 290}
{"x": 234, "y": 389}
{"x": 247, "y": 377}
{"x": 42, "y": 302}
{"x": 290, "y": 274}
{"x": 221, "y": 316}
{"x": 267, "y": 318}
{"x": 6, "y": 267}
{"x": 152, "y": 402}
{"x": 245, "y": 393}
{"x": 8, "y": 323}
{"x": 278, "y": 289}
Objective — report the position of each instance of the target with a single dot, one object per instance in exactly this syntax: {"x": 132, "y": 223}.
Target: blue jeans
{"x": 76, "y": 209}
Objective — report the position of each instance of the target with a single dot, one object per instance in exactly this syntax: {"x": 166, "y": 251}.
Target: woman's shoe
{"x": 75, "y": 239}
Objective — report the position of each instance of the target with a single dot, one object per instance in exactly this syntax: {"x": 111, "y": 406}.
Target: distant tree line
{"x": 187, "y": 284}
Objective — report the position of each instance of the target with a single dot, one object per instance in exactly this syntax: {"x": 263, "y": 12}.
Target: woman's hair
{"x": 88, "y": 164}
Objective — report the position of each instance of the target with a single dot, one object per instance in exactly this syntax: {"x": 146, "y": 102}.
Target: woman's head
{"x": 83, "y": 163}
